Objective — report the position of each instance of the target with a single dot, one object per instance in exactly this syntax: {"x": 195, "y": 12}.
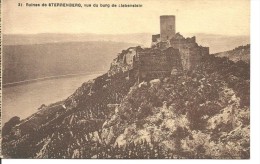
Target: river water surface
{"x": 24, "y": 99}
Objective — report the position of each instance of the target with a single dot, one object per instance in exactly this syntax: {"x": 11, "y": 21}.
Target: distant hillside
{"x": 239, "y": 53}
{"x": 18, "y": 39}
{"x": 220, "y": 43}
{"x": 23, "y": 62}
{"x": 217, "y": 43}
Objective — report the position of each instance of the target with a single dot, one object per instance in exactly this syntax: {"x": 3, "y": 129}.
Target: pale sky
{"x": 227, "y": 17}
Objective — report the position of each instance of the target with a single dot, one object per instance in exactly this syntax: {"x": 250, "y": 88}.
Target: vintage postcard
{"x": 141, "y": 79}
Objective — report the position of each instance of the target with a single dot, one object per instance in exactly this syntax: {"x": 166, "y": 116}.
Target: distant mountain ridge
{"x": 217, "y": 43}
{"x": 42, "y": 38}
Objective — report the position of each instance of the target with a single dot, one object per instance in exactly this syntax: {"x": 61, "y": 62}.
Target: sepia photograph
{"x": 141, "y": 79}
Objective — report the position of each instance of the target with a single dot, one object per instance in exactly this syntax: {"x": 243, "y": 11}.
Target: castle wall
{"x": 195, "y": 57}
{"x": 129, "y": 56}
{"x": 191, "y": 53}
{"x": 155, "y": 40}
{"x": 191, "y": 57}
{"x": 157, "y": 64}
{"x": 169, "y": 53}
{"x": 167, "y": 27}
{"x": 154, "y": 63}
{"x": 124, "y": 62}
{"x": 185, "y": 56}
{"x": 183, "y": 42}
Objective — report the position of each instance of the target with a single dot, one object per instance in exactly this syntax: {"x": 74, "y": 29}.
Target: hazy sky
{"x": 228, "y": 17}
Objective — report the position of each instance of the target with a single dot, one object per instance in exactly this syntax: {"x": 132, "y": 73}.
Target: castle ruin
{"x": 169, "y": 53}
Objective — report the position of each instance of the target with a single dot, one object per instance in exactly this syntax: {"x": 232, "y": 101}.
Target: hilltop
{"x": 203, "y": 113}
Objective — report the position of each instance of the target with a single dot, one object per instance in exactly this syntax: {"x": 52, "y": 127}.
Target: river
{"x": 24, "y": 99}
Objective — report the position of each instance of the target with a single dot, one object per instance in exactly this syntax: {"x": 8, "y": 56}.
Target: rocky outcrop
{"x": 185, "y": 117}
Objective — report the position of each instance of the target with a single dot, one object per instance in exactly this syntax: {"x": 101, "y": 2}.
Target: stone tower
{"x": 167, "y": 27}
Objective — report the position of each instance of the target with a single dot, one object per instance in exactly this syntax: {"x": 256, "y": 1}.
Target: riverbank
{"x": 24, "y": 99}
{"x": 48, "y": 78}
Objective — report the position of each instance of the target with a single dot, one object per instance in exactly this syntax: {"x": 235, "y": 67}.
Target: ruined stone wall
{"x": 154, "y": 63}
{"x": 158, "y": 63}
{"x": 185, "y": 58}
{"x": 183, "y": 42}
{"x": 191, "y": 53}
{"x": 123, "y": 62}
{"x": 191, "y": 57}
{"x": 195, "y": 57}
{"x": 129, "y": 56}
{"x": 155, "y": 40}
